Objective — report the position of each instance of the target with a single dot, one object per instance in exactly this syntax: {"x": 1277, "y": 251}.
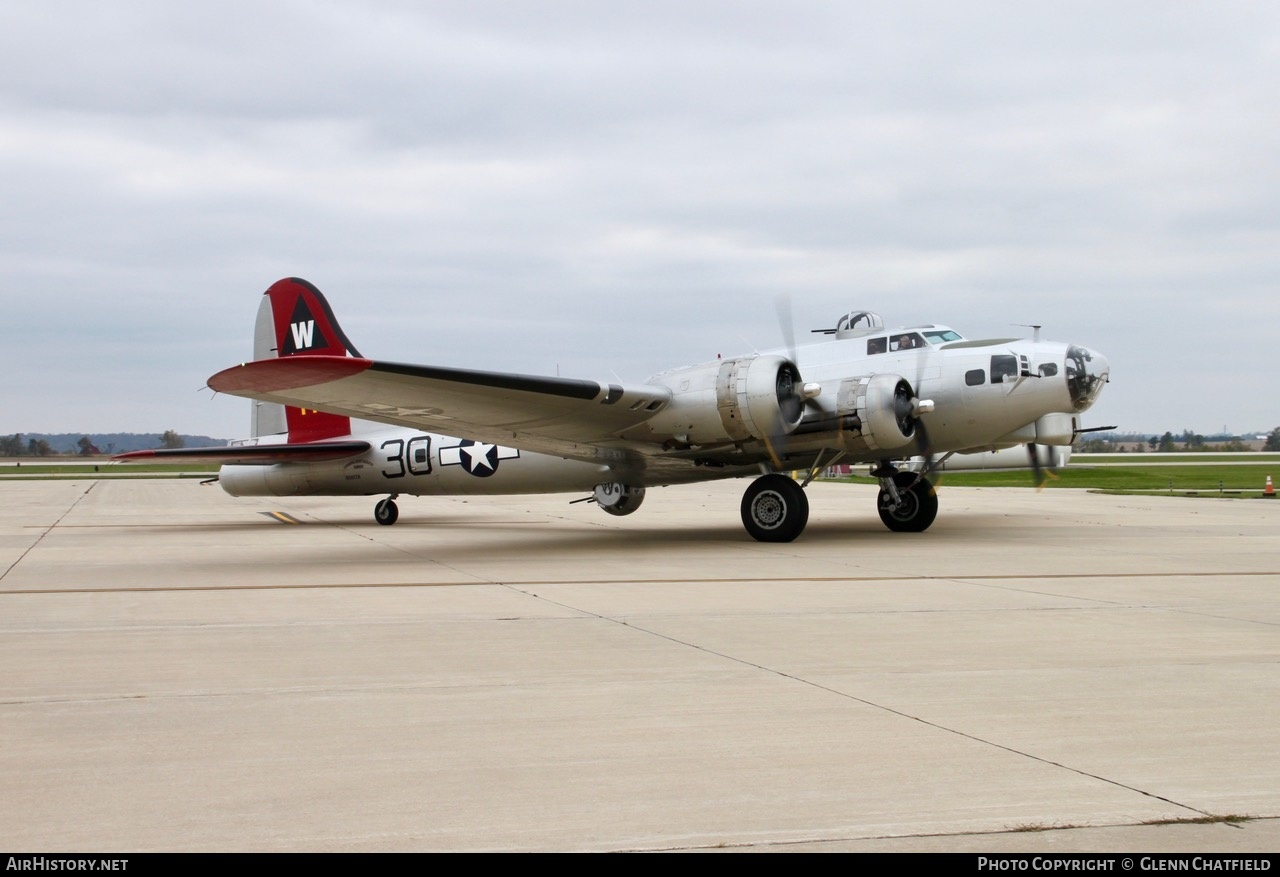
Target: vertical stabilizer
{"x": 294, "y": 319}
{"x": 266, "y": 418}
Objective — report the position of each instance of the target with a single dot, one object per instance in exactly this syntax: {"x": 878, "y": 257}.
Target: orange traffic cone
{"x": 1269, "y": 491}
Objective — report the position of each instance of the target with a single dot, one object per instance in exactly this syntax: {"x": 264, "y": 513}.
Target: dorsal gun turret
{"x": 855, "y": 324}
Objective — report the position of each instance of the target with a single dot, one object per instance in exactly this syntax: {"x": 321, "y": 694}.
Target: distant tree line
{"x": 1187, "y": 441}
{"x": 13, "y": 446}
{"x": 16, "y": 446}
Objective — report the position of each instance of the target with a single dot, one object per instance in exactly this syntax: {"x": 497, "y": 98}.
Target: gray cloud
{"x": 566, "y": 185}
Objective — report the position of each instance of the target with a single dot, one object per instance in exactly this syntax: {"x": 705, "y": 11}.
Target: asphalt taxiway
{"x": 1051, "y": 671}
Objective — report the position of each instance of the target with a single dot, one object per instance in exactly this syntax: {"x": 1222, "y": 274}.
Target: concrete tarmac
{"x": 1054, "y": 671}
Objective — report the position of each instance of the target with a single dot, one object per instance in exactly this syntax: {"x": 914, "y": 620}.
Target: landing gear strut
{"x": 386, "y": 512}
{"x": 774, "y": 509}
{"x": 907, "y": 502}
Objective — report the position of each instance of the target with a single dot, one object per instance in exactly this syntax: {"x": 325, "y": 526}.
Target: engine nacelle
{"x": 1049, "y": 429}
{"x": 1056, "y": 429}
{"x": 882, "y": 404}
{"x": 733, "y": 400}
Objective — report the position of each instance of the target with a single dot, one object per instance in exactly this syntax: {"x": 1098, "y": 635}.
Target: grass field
{"x": 1201, "y": 475}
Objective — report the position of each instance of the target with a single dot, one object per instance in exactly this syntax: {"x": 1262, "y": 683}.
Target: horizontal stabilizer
{"x": 249, "y": 455}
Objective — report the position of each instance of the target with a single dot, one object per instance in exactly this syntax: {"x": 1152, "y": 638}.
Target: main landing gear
{"x": 386, "y": 512}
{"x": 907, "y": 502}
{"x": 774, "y": 509}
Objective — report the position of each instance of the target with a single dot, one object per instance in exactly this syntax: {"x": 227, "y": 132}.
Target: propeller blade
{"x": 1037, "y": 474}
{"x": 908, "y": 408}
{"x": 924, "y": 448}
{"x": 793, "y": 396}
{"x": 782, "y": 304}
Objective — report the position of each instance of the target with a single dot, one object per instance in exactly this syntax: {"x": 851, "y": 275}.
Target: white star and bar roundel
{"x": 478, "y": 458}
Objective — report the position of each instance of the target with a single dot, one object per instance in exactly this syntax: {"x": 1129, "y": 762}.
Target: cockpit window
{"x": 905, "y": 341}
{"x": 877, "y": 345}
{"x": 943, "y": 336}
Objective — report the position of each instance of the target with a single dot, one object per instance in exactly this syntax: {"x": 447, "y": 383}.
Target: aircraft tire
{"x": 774, "y": 509}
{"x": 386, "y": 513}
{"x": 918, "y": 509}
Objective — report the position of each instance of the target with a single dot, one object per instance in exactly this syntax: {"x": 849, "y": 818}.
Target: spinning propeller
{"x": 1040, "y": 473}
{"x": 793, "y": 394}
{"x": 907, "y": 408}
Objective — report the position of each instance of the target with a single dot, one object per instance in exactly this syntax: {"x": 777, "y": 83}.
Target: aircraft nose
{"x": 1087, "y": 372}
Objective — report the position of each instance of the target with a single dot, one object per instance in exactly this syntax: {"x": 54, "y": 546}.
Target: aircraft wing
{"x": 249, "y": 455}
{"x": 578, "y": 419}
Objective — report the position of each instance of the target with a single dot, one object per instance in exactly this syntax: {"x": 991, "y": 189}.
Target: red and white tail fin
{"x": 294, "y": 318}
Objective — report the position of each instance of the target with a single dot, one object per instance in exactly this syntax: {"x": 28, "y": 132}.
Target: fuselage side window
{"x": 877, "y": 345}
{"x": 1003, "y": 366}
{"x": 974, "y": 377}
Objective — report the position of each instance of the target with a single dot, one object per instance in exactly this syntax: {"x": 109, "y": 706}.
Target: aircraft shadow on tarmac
{"x": 538, "y": 534}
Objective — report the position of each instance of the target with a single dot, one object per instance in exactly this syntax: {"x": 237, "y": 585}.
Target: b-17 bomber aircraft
{"x": 861, "y": 394}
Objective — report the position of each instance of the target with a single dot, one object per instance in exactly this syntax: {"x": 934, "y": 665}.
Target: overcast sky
{"x": 610, "y": 188}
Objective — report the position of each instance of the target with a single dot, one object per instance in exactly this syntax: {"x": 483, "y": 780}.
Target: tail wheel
{"x": 386, "y": 512}
{"x": 774, "y": 509}
{"x": 918, "y": 506}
